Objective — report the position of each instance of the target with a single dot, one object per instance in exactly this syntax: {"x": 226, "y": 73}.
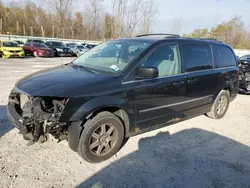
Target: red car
{"x": 37, "y": 50}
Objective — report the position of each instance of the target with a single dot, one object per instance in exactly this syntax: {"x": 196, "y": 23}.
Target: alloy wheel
{"x": 222, "y": 105}
{"x": 103, "y": 139}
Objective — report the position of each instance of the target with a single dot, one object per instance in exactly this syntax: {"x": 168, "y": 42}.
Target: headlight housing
{"x": 23, "y": 99}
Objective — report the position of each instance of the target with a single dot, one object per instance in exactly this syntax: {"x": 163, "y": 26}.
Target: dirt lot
{"x": 197, "y": 153}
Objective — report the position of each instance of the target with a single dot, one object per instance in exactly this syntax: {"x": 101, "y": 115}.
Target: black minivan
{"x": 122, "y": 88}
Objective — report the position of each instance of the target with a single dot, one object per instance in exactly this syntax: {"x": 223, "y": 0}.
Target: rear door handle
{"x": 192, "y": 81}
{"x": 178, "y": 83}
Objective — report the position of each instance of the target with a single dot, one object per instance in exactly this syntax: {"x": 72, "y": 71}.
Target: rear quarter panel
{"x": 228, "y": 80}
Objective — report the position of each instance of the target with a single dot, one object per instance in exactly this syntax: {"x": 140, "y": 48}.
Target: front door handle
{"x": 192, "y": 81}
{"x": 177, "y": 84}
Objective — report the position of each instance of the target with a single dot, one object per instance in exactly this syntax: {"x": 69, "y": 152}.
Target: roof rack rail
{"x": 167, "y": 35}
{"x": 208, "y": 39}
{"x": 212, "y": 39}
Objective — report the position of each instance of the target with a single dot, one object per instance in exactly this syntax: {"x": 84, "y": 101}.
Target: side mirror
{"x": 146, "y": 73}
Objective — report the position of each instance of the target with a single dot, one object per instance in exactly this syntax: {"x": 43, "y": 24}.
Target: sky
{"x": 188, "y": 14}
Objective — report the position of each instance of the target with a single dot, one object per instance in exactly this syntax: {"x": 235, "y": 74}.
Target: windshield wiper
{"x": 83, "y": 67}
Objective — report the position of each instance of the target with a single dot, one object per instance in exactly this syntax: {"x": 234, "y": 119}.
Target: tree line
{"x": 232, "y": 32}
{"x": 93, "y": 22}
{"x": 126, "y": 18}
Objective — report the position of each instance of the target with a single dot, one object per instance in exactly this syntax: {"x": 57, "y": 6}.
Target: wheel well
{"x": 120, "y": 113}
{"x": 229, "y": 90}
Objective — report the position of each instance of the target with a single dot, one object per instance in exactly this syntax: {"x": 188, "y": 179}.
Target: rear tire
{"x": 101, "y": 138}
{"x": 220, "y": 105}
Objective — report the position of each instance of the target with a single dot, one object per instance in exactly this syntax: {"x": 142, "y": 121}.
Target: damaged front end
{"x": 244, "y": 77}
{"x": 36, "y": 117}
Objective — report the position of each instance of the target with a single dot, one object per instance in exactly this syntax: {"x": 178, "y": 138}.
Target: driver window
{"x": 166, "y": 59}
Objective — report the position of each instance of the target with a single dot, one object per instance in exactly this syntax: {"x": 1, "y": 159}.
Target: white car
{"x": 20, "y": 43}
{"x": 79, "y": 50}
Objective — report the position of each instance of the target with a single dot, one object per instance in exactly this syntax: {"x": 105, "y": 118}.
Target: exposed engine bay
{"x": 40, "y": 116}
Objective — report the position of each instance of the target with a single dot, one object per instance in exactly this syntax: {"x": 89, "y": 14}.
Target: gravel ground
{"x": 196, "y": 153}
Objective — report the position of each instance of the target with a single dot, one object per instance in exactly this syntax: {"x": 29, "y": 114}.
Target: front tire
{"x": 101, "y": 138}
{"x": 35, "y": 54}
{"x": 220, "y": 105}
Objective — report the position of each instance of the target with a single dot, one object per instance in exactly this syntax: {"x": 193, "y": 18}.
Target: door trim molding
{"x": 174, "y": 104}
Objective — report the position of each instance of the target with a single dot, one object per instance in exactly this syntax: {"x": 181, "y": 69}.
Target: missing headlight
{"x": 43, "y": 115}
{"x": 23, "y": 100}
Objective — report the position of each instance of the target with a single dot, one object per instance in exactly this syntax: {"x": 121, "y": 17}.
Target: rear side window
{"x": 223, "y": 56}
{"x": 197, "y": 57}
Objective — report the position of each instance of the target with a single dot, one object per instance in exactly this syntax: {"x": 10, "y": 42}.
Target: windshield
{"x": 90, "y": 45}
{"x": 19, "y": 42}
{"x": 10, "y": 44}
{"x": 80, "y": 47}
{"x": 246, "y": 57}
{"x": 40, "y": 45}
{"x": 111, "y": 56}
{"x": 38, "y": 41}
{"x": 58, "y": 44}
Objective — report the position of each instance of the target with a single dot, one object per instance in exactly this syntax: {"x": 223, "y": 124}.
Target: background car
{"x": 10, "y": 49}
{"x": 79, "y": 50}
{"x": 244, "y": 76}
{"x": 37, "y": 50}
{"x": 59, "y": 49}
{"x": 20, "y": 43}
{"x": 72, "y": 48}
{"x": 35, "y": 40}
{"x": 71, "y": 44}
{"x": 89, "y": 46}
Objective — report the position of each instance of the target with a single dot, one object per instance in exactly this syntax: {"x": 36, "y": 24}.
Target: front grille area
{"x": 15, "y": 51}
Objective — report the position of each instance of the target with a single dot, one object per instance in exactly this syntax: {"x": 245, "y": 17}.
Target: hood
{"x": 61, "y": 81}
{"x": 12, "y": 48}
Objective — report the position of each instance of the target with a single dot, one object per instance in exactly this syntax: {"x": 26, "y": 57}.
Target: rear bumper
{"x": 15, "y": 118}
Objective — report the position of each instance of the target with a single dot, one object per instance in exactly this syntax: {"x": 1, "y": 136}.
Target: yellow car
{"x": 10, "y": 49}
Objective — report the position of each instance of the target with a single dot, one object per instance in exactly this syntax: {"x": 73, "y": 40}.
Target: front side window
{"x": 10, "y": 44}
{"x": 111, "y": 56}
{"x": 223, "y": 56}
{"x": 197, "y": 57}
{"x": 166, "y": 59}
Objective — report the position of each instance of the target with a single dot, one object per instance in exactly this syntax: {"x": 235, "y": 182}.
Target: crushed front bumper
{"x": 244, "y": 85}
{"x": 244, "y": 90}
{"x": 15, "y": 118}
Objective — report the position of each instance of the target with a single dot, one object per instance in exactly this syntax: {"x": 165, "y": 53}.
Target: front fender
{"x": 80, "y": 114}
{"x": 71, "y": 113}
